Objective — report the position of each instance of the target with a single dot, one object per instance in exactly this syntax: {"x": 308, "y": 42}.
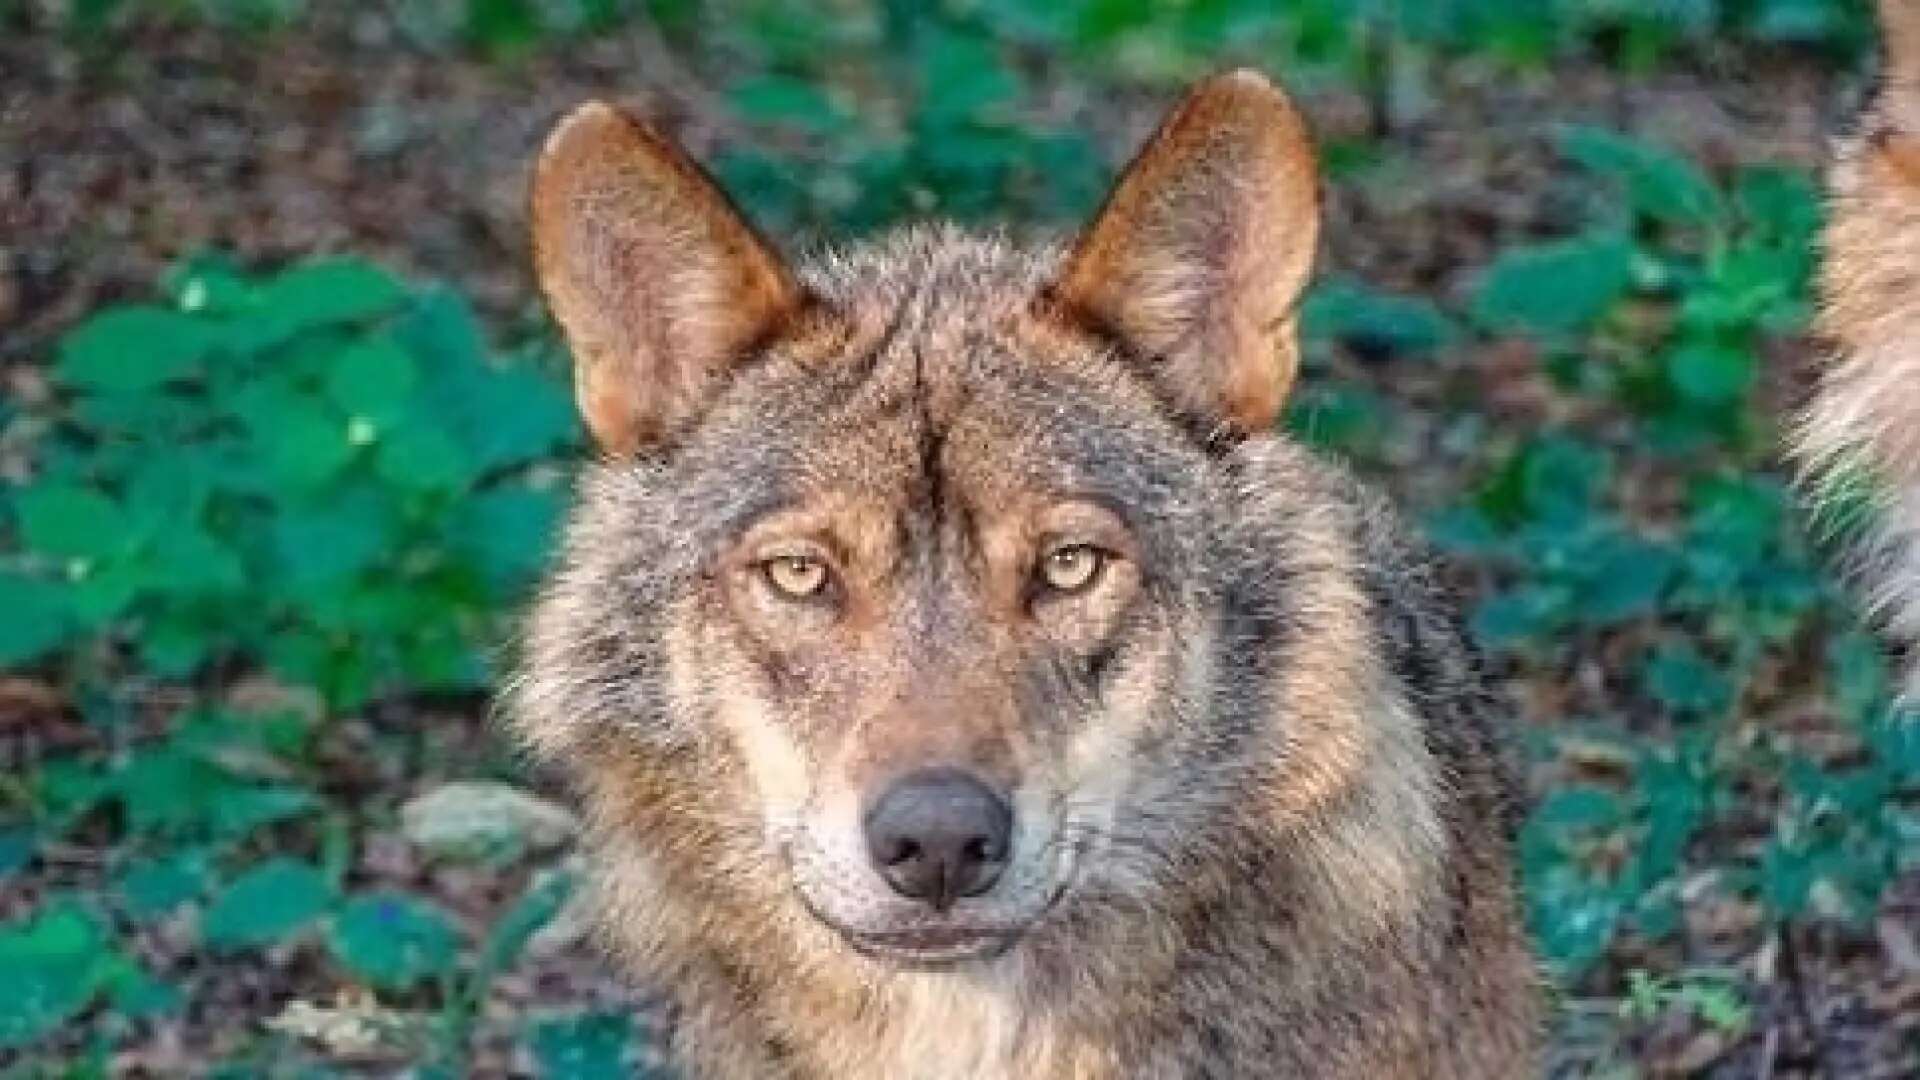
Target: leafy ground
{"x": 284, "y": 432}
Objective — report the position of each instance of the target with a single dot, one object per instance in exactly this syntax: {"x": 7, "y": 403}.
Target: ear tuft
{"x": 659, "y": 283}
{"x": 1200, "y": 255}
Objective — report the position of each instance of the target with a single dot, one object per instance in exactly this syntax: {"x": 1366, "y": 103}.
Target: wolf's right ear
{"x": 1200, "y": 254}
{"x": 658, "y": 282}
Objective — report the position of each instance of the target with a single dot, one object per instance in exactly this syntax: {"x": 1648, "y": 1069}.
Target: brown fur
{"x": 1864, "y": 420}
{"x": 1262, "y": 816}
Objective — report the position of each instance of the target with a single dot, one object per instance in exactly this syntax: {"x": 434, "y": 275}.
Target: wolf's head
{"x": 933, "y": 587}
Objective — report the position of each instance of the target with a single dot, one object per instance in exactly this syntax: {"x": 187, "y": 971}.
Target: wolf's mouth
{"x": 932, "y": 947}
{"x": 923, "y": 946}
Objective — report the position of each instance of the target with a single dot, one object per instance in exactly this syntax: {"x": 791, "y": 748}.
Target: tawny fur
{"x": 1861, "y": 432}
{"x": 1266, "y": 812}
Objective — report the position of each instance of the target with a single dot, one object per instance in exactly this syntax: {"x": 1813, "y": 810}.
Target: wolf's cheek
{"x": 1127, "y": 710}
{"x": 712, "y": 676}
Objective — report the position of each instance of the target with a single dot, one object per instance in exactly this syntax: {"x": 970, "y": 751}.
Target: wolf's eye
{"x": 798, "y": 576}
{"x": 1071, "y": 568}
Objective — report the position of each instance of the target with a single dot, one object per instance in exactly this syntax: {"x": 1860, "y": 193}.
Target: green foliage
{"x": 267, "y": 903}
{"x": 318, "y": 470}
{"x": 1662, "y": 310}
{"x": 1715, "y": 1000}
{"x": 1556, "y": 288}
{"x": 321, "y": 473}
{"x": 393, "y": 941}
{"x": 584, "y": 1046}
{"x": 57, "y": 963}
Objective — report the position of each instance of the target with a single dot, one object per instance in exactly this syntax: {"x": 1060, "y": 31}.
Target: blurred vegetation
{"x": 329, "y": 475}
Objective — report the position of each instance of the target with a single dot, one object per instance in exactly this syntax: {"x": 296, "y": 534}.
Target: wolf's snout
{"x": 939, "y": 834}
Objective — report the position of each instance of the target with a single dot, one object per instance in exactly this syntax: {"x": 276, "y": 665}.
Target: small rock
{"x": 353, "y": 1030}
{"x": 474, "y": 818}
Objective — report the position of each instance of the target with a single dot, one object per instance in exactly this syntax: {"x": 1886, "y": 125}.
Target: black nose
{"x": 939, "y": 834}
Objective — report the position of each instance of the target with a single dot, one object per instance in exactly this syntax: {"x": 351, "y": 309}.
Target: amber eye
{"x": 797, "y": 576}
{"x": 1071, "y": 568}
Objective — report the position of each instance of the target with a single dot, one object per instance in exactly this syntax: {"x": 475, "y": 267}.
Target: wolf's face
{"x": 897, "y": 612}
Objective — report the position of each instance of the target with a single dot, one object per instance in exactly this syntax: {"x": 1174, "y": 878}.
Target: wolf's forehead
{"x": 924, "y": 271}
{"x": 936, "y": 372}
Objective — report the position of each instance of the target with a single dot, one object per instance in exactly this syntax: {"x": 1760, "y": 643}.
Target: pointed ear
{"x": 1200, "y": 254}
{"x": 659, "y": 284}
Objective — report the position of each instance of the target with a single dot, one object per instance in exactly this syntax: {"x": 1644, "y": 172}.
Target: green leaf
{"x": 1556, "y": 288}
{"x": 153, "y": 887}
{"x": 1681, "y": 679}
{"x": 1787, "y": 875}
{"x": 174, "y": 644}
{"x": 590, "y": 1045}
{"x": 70, "y": 521}
{"x": 535, "y": 909}
{"x": 1627, "y": 580}
{"x": 1580, "y": 807}
{"x": 1710, "y": 374}
{"x": 440, "y": 330}
{"x": 51, "y": 967}
{"x": 506, "y": 533}
{"x": 393, "y": 940}
{"x": 1340, "y": 417}
{"x": 164, "y": 790}
{"x": 18, "y": 843}
{"x": 1659, "y": 183}
{"x": 133, "y": 348}
{"x": 265, "y": 904}
{"x": 38, "y": 618}
{"x": 329, "y": 292}
{"x": 1858, "y": 673}
{"x": 1782, "y": 204}
{"x": 420, "y": 456}
{"x": 243, "y": 808}
{"x": 185, "y": 559}
{"x": 508, "y": 417}
{"x": 1530, "y": 611}
{"x": 1573, "y": 925}
{"x": 320, "y": 543}
{"x": 137, "y": 994}
{"x": 305, "y": 445}
{"x": 373, "y": 379}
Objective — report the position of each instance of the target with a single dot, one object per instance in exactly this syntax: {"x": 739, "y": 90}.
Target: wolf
{"x": 963, "y": 680}
{"x": 1861, "y": 428}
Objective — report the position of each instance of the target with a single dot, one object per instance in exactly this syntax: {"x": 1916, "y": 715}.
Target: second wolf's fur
{"x": 1861, "y": 432}
{"x": 1261, "y": 820}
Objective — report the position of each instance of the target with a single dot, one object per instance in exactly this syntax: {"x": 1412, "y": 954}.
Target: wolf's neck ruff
{"x": 950, "y": 700}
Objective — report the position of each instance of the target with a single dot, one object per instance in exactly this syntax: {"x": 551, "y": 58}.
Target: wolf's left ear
{"x": 1202, "y": 250}
{"x": 659, "y": 283}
